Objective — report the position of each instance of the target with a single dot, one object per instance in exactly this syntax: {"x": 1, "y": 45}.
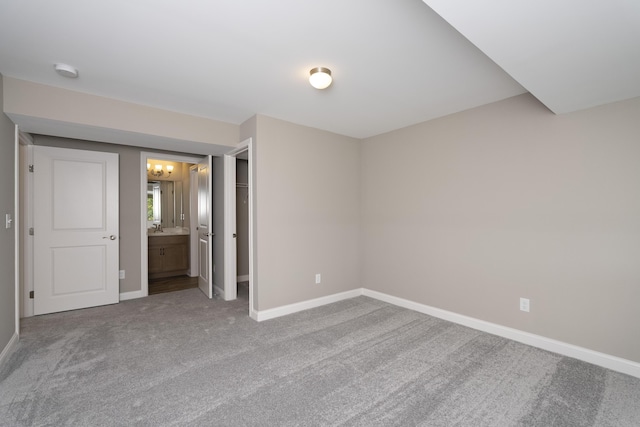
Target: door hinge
{"x": 30, "y": 294}
{"x": 30, "y": 231}
{"x": 30, "y": 168}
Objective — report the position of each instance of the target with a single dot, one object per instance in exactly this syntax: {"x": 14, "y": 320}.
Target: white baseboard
{"x": 132, "y": 295}
{"x": 601, "y": 359}
{"x": 219, "y": 291}
{"x": 7, "y": 349}
{"x": 304, "y": 305}
{"x": 244, "y": 278}
{"x": 590, "y": 356}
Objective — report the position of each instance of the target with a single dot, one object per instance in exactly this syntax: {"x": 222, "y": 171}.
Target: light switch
{"x": 8, "y": 221}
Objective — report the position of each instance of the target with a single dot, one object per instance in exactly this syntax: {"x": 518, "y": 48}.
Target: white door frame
{"x": 26, "y": 218}
{"x": 230, "y": 266}
{"x": 16, "y": 227}
{"x": 15, "y": 223}
{"x": 144, "y": 249}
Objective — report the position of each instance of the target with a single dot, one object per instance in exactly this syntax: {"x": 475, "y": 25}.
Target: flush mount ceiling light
{"x": 320, "y": 77}
{"x": 66, "y": 70}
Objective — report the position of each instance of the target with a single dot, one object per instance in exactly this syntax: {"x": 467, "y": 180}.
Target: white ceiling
{"x": 394, "y": 62}
{"x": 570, "y": 54}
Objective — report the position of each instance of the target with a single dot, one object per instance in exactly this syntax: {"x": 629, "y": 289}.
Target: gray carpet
{"x": 180, "y": 359}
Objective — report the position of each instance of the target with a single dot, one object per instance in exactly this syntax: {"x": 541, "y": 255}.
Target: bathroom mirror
{"x": 164, "y": 204}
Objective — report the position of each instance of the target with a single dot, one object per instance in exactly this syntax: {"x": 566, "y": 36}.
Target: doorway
{"x": 244, "y": 151}
{"x": 168, "y": 240}
{"x": 242, "y": 225}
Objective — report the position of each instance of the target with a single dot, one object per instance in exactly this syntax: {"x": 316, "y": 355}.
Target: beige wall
{"x": 7, "y": 236}
{"x": 67, "y": 113}
{"x": 470, "y": 212}
{"x": 307, "y": 191}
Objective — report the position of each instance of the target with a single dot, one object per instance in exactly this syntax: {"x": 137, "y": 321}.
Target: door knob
{"x": 235, "y": 235}
{"x": 112, "y": 237}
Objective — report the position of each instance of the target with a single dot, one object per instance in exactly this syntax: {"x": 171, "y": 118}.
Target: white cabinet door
{"x": 75, "y": 201}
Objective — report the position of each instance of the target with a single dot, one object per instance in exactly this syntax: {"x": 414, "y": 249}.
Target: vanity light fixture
{"x": 320, "y": 77}
{"x": 158, "y": 172}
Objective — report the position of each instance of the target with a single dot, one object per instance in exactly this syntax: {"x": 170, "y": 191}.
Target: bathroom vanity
{"x": 168, "y": 253}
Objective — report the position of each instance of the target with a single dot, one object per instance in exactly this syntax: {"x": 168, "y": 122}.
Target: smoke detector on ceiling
{"x": 66, "y": 70}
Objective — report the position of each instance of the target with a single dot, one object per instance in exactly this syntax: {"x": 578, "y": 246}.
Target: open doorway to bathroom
{"x": 170, "y": 257}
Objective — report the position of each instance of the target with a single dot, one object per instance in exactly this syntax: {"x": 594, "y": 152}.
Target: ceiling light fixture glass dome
{"x": 320, "y": 77}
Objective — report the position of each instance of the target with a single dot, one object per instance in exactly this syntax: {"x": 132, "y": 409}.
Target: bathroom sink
{"x": 174, "y": 231}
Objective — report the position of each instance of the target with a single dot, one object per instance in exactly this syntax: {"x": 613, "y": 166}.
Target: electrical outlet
{"x": 524, "y": 304}
{"x": 318, "y": 279}
{"x": 121, "y": 274}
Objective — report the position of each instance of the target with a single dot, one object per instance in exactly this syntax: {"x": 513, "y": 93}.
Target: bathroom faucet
{"x": 157, "y": 227}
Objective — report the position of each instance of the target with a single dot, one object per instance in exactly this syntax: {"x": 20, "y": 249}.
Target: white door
{"x": 205, "y": 227}
{"x": 75, "y": 223}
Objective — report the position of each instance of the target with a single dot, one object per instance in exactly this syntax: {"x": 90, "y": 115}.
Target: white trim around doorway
{"x": 24, "y": 220}
{"x": 230, "y": 267}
